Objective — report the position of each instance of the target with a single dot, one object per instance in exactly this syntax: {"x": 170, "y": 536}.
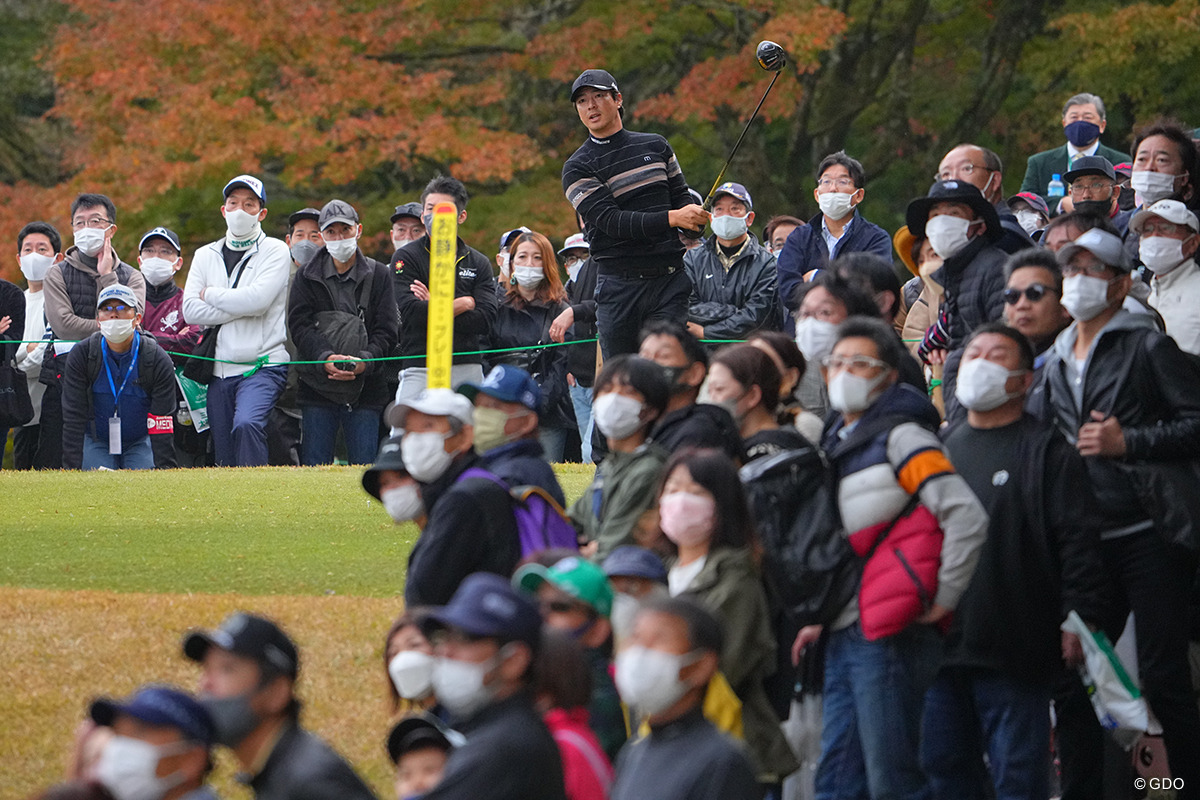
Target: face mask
{"x": 34, "y": 266}
{"x": 1029, "y": 221}
{"x": 836, "y": 205}
{"x": 424, "y": 455}
{"x": 157, "y": 271}
{"x": 947, "y": 235}
{"x": 980, "y": 385}
{"x": 489, "y": 429}
{"x": 233, "y": 718}
{"x": 617, "y": 416}
{"x": 342, "y": 249}
{"x": 624, "y": 609}
{"x": 687, "y": 519}
{"x": 1084, "y": 297}
{"x": 303, "y": 251}
{"x": 573, "y": 270}
{"x": 397, "y": 243}
{"x": 402, "y": 503}
{"x": 412, "y": 674}
{"x": 90, "y": 240}
{"x": 127, "y": 768}
{"x": 851, "y": 394}
{"x": 1161, "y": 253}
{"x": 1081, "y": 132}
{"x": 528, "y": 277}
{"x": 1098, "y": 207}
{"x": 505, "y": 258}
{"x": 815, "y": 338}
{"x": 1152, "y": 186}
{"x": 729, "y": 227}
{"x": 460, "y": 685}
{"x": 649, "y": 679}
{"x": 240, "y": 224}
{"x": 116, "y": 330}
{"x": 427, "y": 221}
{"x": 672, "y": 374}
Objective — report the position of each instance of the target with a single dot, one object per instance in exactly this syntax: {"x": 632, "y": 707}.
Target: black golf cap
{"x": 1091, "y": 165}
{"x": 249, "y": 636}
{"x": 418, "y": 732}
{"x": 337, "y": 211}
{"x": 407, "y": 210}
{"x": 595, "y": 79}
{"x": 162, "y": 233}
{"x": 304, "y": 213}
{"x": 389, "y": 459}
{"x": 954, "y": 191}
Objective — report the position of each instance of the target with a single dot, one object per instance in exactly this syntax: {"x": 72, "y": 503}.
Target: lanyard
{"x": 137, "y": 343}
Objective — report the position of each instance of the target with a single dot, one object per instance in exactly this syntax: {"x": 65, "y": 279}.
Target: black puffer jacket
{"x": 520, "y": 324}
{"x": 733, "y": 304}
{"x": 581, "y": 294}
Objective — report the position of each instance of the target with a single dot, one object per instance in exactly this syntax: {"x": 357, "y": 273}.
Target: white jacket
{"x": 1176, "y": 296}
{"x": 253, "y": 315}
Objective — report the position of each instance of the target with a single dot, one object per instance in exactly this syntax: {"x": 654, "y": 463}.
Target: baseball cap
{"x": 337, "y": 211}
{"x": 508, "y": 385}
{"x": 408, "y": 210}
{"x": 164, "y": 233}
{"x": 162, "y": 706}
{"x": 420, "y": 731}
{"x": 596, "y": 79}
{"x": 249, "y": 636}
{"x": 577, "y": 577}
{"x": 507, "y": 237}
{"x": 734, "y": 190}
{"x": 118, "y": 291}
{"x": 1102, "y": 244}
{"x": 1035, "y": 201}
{"x": 635, "y": 562}
{"x": 574, "y": 242}
{"x": 247, "y": 182}
{"x": 304, "y": 213}
{"x": 953, "y": 191}
{"x": 1090, "y": 165}
{"x": 1124, "y": 169}
{"x": 436, "y": 402}
{"x": 696, "y": 198}
{"x": 487, "y": 605}
{"x": 1170, "y": 210}
{"x": 388, "y": 460}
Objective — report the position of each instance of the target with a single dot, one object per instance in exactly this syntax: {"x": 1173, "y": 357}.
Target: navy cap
{"x": 304, "y": 213}
{"x": 161, "y": 706}
{"x": 635, "y": 562}
{"x": 163, "y": 233}
{"x": 734, "y": 190}
{"x": 247, "y": 182}
{"x": 418, "y": 732}
{"x": 408, "y": 210}
{"x": 595, "y": 79}
{"x": 487, "y": 605}
{"x": 249, "y": 636}
{"x": 508, "y": 385}
{"x": 388, "y": 460}
{"x": 952, "y": 191}
{"x": 1091, "y": 165}
{"x": 1035, "y": 202}
{"x": 507, "y": 237}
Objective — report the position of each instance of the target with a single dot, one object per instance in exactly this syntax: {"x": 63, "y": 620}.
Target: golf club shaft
{"x": 745, "y": 130}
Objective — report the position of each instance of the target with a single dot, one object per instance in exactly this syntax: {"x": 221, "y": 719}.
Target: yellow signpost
{"x": 443, "y": 247}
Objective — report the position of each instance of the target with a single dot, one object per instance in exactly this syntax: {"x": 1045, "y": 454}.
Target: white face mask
{"x": 851, "y": 394}
{"x": 90, "y": 240}
{"x": 157, "y": 271}
{"x": 947, "y": 234}
{"x": 1152, "y": 186}
{"x": 815, "y": 338}
{"x": 127, "y": 768}
{"x": 649, "y": 681}
{"x": 412, "y": 674}
{"x": 342, "y": 249}
{"x": 528, "y": 277}
{"x": 617, "y": 416}
{"x": 1029, "y": 221}
{"x": 980, "y": 385}
{"x": 425, "y": 455}
{"x": 461, "y": 685}
{"x": 504, "y": 259}
{"x": 402, "y": 503}
{"x": 729, "y": 227}
{"x": 573, "y": 270}
{"x": 116, "y": 330}
{"x": 240, "y": 224}
{"x": 398, "y": 242}
{"x": 1161, "y": 253}
{"x": 836, "y": 205}
{"x": 1084, "y": 297}
{"x": 34, "y": 266}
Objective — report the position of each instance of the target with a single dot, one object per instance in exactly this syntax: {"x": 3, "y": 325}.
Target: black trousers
{"x": 624, "y": 304}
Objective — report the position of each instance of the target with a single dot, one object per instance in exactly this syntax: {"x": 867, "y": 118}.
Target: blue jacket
{"x": 805, "y": 250}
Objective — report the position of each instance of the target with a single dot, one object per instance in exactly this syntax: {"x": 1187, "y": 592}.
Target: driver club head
{"x": 771, "y": 56}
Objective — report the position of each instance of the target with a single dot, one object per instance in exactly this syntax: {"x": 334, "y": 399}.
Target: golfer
{"x": 630, "y": 192}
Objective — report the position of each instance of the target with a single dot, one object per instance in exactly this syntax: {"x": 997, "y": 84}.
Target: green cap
{"x": 577, "y": 577}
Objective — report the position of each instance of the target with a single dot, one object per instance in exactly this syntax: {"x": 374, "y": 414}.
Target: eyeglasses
{"x": 94, "y": 222}
{"x": 1091, "y": 270}
{"x": 1079, "y": 189}
{"x": 559, "y": 607}
{"x": 840, "y": 183}
{"x": 1033, "y": 293}
{"x": 117, "y": 309}
{"x": 851, "y": 362}
{"x": 1162, "y": 229}
{"x": 964, "y": 169}
{"x": 160, "y": 252}
{"x": 572, "y": 261}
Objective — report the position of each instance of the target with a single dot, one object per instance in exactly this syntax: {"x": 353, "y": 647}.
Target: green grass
{"x": 261, "y": 531}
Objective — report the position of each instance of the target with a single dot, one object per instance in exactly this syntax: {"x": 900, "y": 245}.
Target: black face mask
{"x": 1126, "y": 200}
{"x": 673, "y": 374}
{"x": 1098, "y": 207}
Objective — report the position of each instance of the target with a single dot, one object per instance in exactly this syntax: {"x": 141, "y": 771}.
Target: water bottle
{"x": 1056, "y": 188}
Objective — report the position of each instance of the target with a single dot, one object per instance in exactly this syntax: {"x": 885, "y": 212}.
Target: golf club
{"x": 772, "y": 58}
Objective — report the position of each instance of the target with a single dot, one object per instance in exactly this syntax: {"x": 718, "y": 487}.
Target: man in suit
{"x": 1083, "y": 120}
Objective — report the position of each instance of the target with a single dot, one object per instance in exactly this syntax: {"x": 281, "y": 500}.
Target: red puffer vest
{"x": 900, "y": 579}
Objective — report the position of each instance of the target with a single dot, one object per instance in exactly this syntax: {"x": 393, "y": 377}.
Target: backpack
{"x": 541, "y": 522}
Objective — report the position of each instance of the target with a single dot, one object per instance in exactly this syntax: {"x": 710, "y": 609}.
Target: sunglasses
{"x": 1033, "y": 293}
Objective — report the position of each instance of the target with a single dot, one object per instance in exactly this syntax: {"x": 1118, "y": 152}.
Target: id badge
{"x": 114, "y": 436}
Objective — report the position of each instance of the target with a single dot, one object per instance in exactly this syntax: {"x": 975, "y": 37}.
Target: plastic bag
{"x": 1115, "y": 696}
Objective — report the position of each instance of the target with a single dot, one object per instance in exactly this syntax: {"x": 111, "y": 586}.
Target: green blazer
{"x": 1042, "y": 167}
